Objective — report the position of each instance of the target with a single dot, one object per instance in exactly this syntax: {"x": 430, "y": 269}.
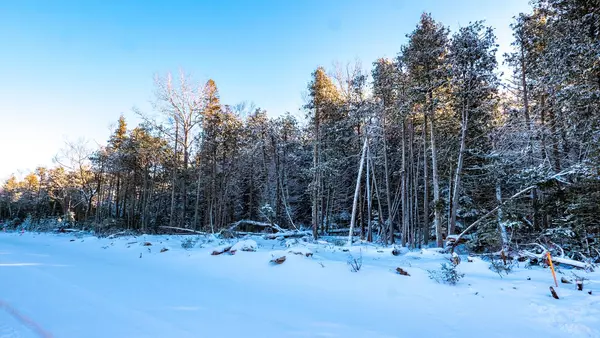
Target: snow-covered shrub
{"x": 448, "y": 274}
{"x": 190, "y": 242}
{"x": 498, "y": 266}
{"x": 355, "y": 262}
{"x": 291, "y": 242}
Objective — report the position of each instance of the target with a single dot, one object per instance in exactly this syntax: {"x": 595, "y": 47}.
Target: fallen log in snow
{"x": 220, "y": 249}
{"x": 183, "y": 229}
{"x": 287, "y": 234}
{"x": 560, "y": 260}
{"x": 273, "y": 226}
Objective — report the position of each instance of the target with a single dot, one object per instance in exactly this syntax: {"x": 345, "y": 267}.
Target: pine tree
{"x": 473, "y": 82}
{"x": 323, "y": 106}
{"x": 425, "y": 61}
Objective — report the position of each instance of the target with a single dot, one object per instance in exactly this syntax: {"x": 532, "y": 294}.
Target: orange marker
{"x": 552, "y": 267}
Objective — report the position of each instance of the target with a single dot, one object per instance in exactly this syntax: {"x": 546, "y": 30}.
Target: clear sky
{"x": 68, "y": 69}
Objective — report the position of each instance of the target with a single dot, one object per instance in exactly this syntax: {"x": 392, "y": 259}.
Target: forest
{"x": 432, "y": 147}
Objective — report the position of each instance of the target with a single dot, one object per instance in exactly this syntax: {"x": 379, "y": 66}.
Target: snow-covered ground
{"x": 69, "y": 286}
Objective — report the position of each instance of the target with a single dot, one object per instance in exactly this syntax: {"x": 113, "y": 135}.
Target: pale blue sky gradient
{"x": 69, "y": 68}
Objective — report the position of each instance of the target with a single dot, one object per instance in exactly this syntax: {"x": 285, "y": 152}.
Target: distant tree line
{"x": 440, "y": 139}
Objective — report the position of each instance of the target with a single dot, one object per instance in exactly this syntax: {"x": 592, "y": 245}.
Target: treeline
{"x": 438, "y": 138}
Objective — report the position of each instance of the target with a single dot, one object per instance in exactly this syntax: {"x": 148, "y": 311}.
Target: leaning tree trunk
{"x": 357, "y": 192}
{"x": 368, "y": 185}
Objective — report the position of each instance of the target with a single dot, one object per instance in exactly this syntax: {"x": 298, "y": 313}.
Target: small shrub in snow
{"x": 355, "y": 262}
{"x": 448, "y": 274}
{"x": 291, "y": 242}
{"x": 189, "y": 243}
{"x": 499, "y": 267}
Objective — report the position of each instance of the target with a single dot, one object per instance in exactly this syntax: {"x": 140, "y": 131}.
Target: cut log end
{"x": 278, "y": 260}
{"x": 553, "y": 292}
{"x": 402, "y": 272}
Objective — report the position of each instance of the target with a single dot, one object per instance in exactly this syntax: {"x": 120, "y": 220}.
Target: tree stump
{"x": 402, "y": 272}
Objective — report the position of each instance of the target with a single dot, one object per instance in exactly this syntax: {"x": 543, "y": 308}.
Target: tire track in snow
{"x": 24, "y": 320}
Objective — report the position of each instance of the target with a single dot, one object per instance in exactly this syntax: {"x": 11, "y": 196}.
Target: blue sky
{"x": 68, "y": 69}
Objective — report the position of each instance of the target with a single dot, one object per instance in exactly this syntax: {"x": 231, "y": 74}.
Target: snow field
{"x": 76, "y": 286}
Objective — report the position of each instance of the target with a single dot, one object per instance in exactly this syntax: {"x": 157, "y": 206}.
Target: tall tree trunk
{"x": 425, "y": 185}
{"x": 437, "y": 217}
{"x": 403, "y": 179}
{"x": 458, "y": 173}
{"x": 197, "y": 202}
{"x": 529, "y": 122}
{"x": 555, "y": 147}
{"x": 174, "y": 178}
{"x": 388, "y": 224}
{"x": 184, "y": 175}
{"x": 500, "y": 216}
{"x": 316, "y": 179}
{"x": 118, "y": 196}
{"x": 368, "y": 185}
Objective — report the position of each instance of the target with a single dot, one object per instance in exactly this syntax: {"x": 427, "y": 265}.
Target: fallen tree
{"x": 288, "y": 234}
{"x": 453, "y": 240}
{"x": 557, "y": 259}
{"x": 183, "y": 229}
{"x": 273, "y": 226}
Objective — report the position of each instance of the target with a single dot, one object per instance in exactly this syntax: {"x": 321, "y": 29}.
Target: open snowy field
{"x": 67, "y": 286}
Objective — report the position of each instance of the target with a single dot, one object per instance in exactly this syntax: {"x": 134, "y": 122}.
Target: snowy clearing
{"x": 73, "y": 285}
